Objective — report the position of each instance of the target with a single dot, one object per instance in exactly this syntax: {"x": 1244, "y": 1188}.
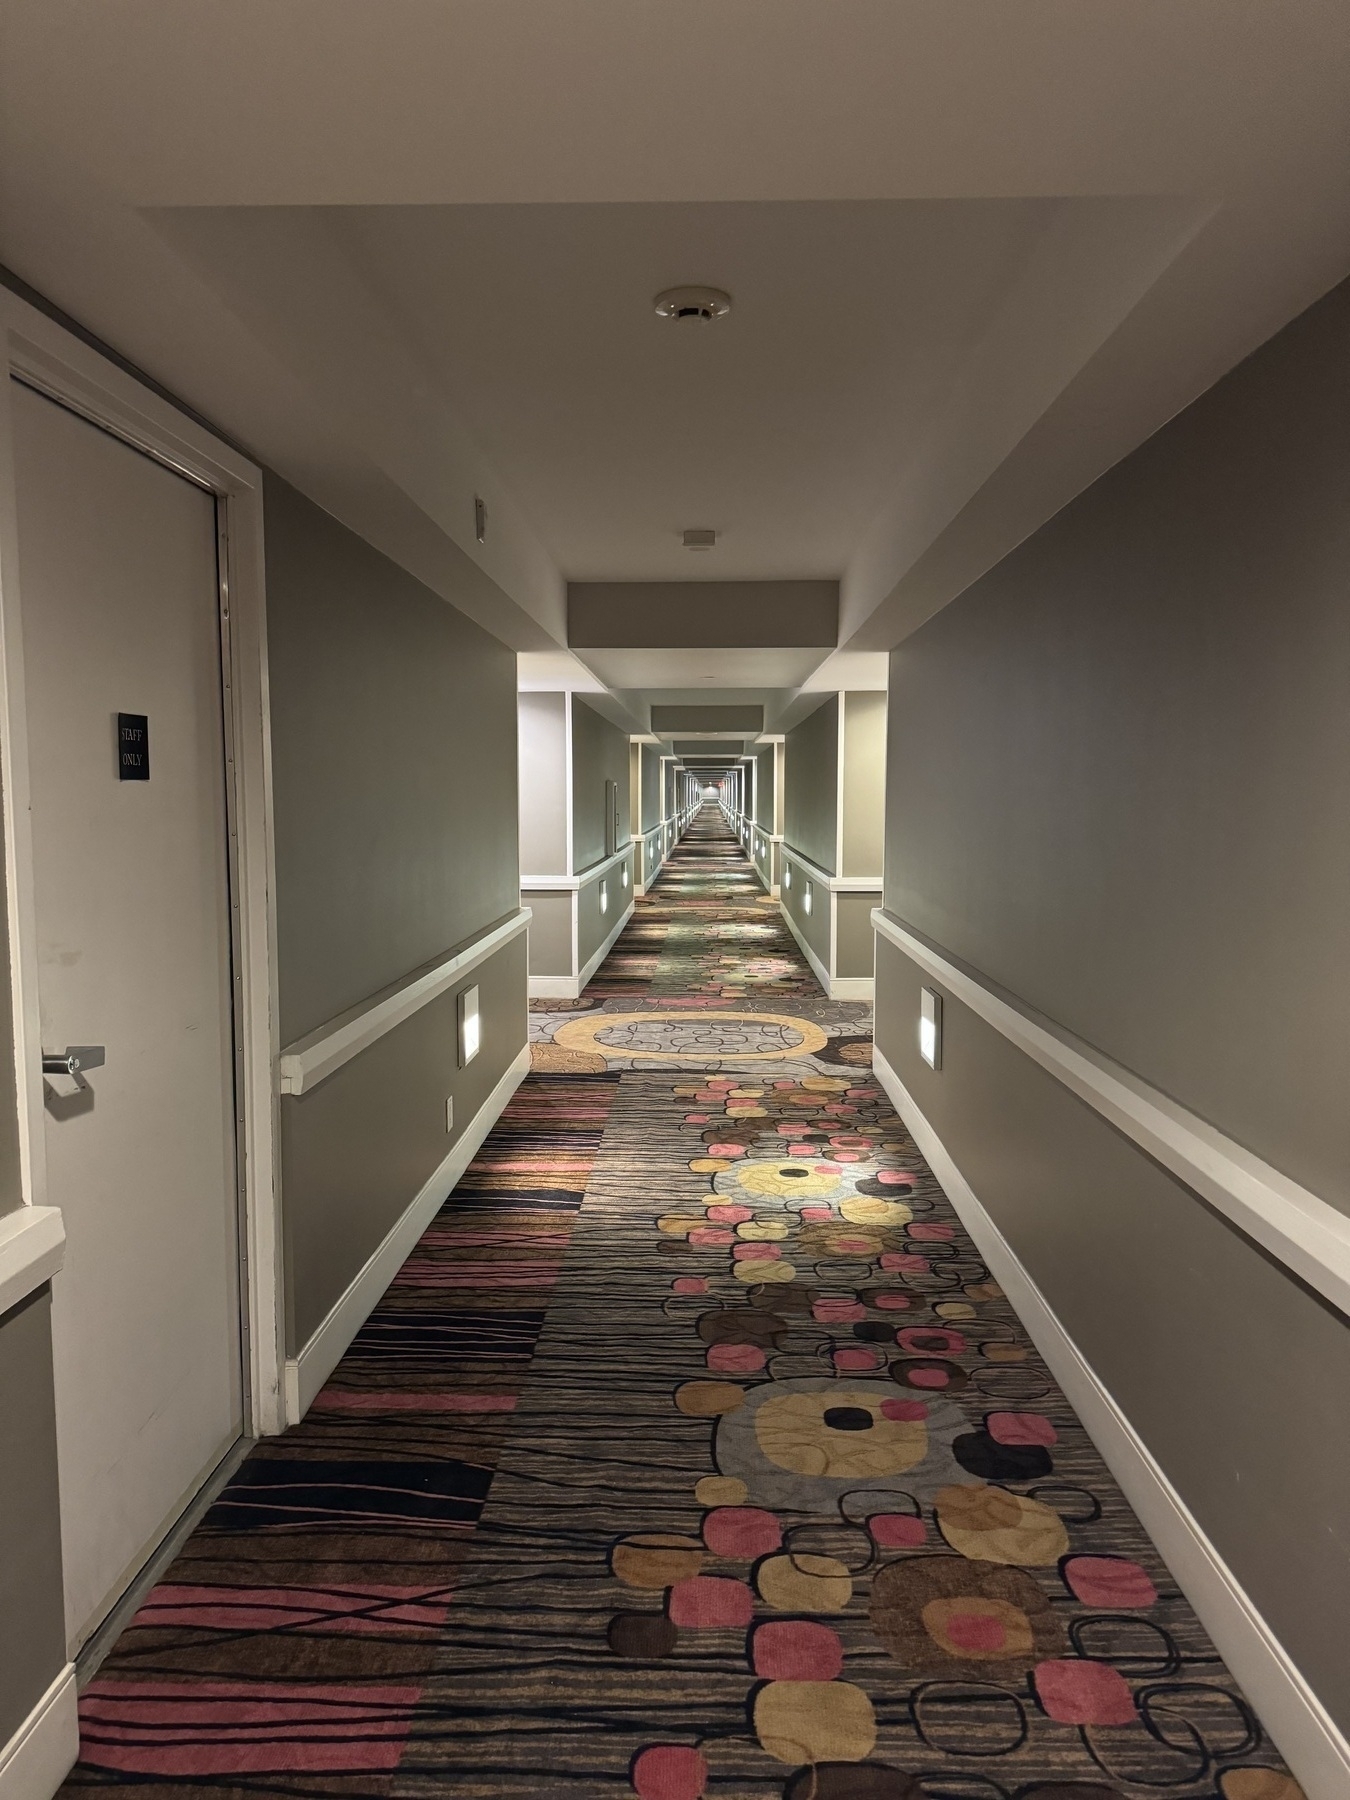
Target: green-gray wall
{"x": 1119, "y": 778}
{"x": 599, "y": 754}
{"x": 32, "y": 1609}
{"x": 32, "y": 1601}
{"x": 764, "y": 786}
{"x": 811, "y": 786}
{"x": 394, "y": 743}
{"x": 863, "y": 827}
{"x": 650, "y": 786}
{"x": 543, "y": 784}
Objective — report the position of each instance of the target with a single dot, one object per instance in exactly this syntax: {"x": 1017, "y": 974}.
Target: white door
{"x": 120, "y": 615}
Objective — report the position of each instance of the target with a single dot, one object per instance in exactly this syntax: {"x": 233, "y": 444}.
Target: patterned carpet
{"x": 693, "y": 1452}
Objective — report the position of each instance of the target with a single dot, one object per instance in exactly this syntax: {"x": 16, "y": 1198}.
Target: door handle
{"x": 73, "y": 1060}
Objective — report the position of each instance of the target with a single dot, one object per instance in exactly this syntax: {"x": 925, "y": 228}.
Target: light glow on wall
{"x": 470, "y": 1029}
{"x": 604, "y": 896}
{"x": 930, "y": 1027}
{"x": 810, "y": 896}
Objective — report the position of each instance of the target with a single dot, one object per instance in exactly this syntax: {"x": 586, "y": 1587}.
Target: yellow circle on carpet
{"x": 580, "y": 1034}
{"x": 753, "y": 1271}
{"x": 815, "y": 1722}
{"x": 720, "y": 1490}
{"x": 793, "y": 1431}
{"x": 765, "y": 1231}
{"x": 864, "y": 1209}
{"x": 990, "y": 1524}
{"x": 708, "y": 1399}
{"x": 804, "y": 1583}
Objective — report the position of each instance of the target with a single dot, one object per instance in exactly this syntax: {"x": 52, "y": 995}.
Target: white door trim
{"x": 46, "y": 356}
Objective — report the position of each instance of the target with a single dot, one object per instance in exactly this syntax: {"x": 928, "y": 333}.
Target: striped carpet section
{"x": 292, "y": 1639}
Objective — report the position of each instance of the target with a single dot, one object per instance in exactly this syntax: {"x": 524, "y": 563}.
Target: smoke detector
{"x": 699, "y": 540}
{"x": 692, "y": 303}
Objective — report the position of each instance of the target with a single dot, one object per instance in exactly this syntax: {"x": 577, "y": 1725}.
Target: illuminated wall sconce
{"x": 604, "y": 896}
{"x": 809, "y": 896}
{"x": 470, "y": 1030}
{"x": 623, "y": 874}
{"x": 930, "y": 1027}
{"x": 787, "y": 875}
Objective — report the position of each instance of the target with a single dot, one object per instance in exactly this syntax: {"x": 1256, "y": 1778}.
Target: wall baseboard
{"x": 44, "y": 1749}
{"x": 307, "y": 1372}
{"x": 1308, "y": 1738}
{"x": 837, "y": 987}
{"x": 570, "y": 987}
{"x": 589, "y": 968}
{"x": 818, "y": 969}
{"x": 553, "y": 987}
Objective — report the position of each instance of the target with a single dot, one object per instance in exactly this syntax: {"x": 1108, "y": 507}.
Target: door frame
{"x": 48, "y": 357}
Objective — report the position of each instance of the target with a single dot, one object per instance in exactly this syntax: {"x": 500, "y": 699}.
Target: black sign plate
{"x": 133, "y": 747}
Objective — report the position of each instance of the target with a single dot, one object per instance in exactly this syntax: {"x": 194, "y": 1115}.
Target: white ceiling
{"x": 780, "y": 426}
{"x": 405, "y": 252}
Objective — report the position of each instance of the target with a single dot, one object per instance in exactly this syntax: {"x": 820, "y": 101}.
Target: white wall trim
{"x": 1306, "y": 1234}
{"x": 1309, "y": 1739}
{"x": 311, "y": 1059}
{"x": 561, "y": 884}
{"x": 42, "y": 1752}
{"x": 837, "y": 884}
{"x": 310, "y": 1368}
{"x": 32, "y": 1249}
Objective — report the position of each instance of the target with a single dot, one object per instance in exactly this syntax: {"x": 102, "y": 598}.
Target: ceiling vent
{"x": 692, "y": 303}
{"x": 699, "y": 540}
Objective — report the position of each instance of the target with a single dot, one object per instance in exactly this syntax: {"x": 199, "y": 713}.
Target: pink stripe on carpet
{"x": 373, "y": 1400}
{"x": 357, "y": 1608}
{"x": 194, "y": 1728}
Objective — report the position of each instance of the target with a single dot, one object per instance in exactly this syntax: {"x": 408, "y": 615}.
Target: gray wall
{"x": 702, "y": 615}
{"x": 394, "y": 766}
{"x": 815, "y": 925}
{"x": 599, "y": 754}
{"x": 1119, "y": 777}
{"x": 853, "y": 933}
{"x": 1234, "y": 1375}
{"x": 32, "y": 1606}
{"x": 863, "y": 833}
{"x": 650, "y": 797}
{"x": 764, "y": 785}
{"x": 811, "y": 785}
{"x": 543, "y": 784}
{"x": 551, "y": 946}
{"x": 359, "y": 1148}
{"x": 394, "y": 734}
{"x": 32, "y": 1613}
{"x": 1120, "y": 762}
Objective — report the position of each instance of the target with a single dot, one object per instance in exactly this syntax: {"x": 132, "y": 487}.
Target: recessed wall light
{"x": 930, "y": 1027}
{"x": 810, "y": 896}
{"x": 470, "y": 1031}
{"x": 700, "y": 539}
{"x": 699, "y": 303}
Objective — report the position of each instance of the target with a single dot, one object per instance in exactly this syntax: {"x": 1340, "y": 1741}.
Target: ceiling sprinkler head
{"x": 699, "y": 540}
{"x": 692, "y": 303}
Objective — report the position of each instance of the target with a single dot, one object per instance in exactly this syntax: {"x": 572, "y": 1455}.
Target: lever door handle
{"x": 73, "y": 1060}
